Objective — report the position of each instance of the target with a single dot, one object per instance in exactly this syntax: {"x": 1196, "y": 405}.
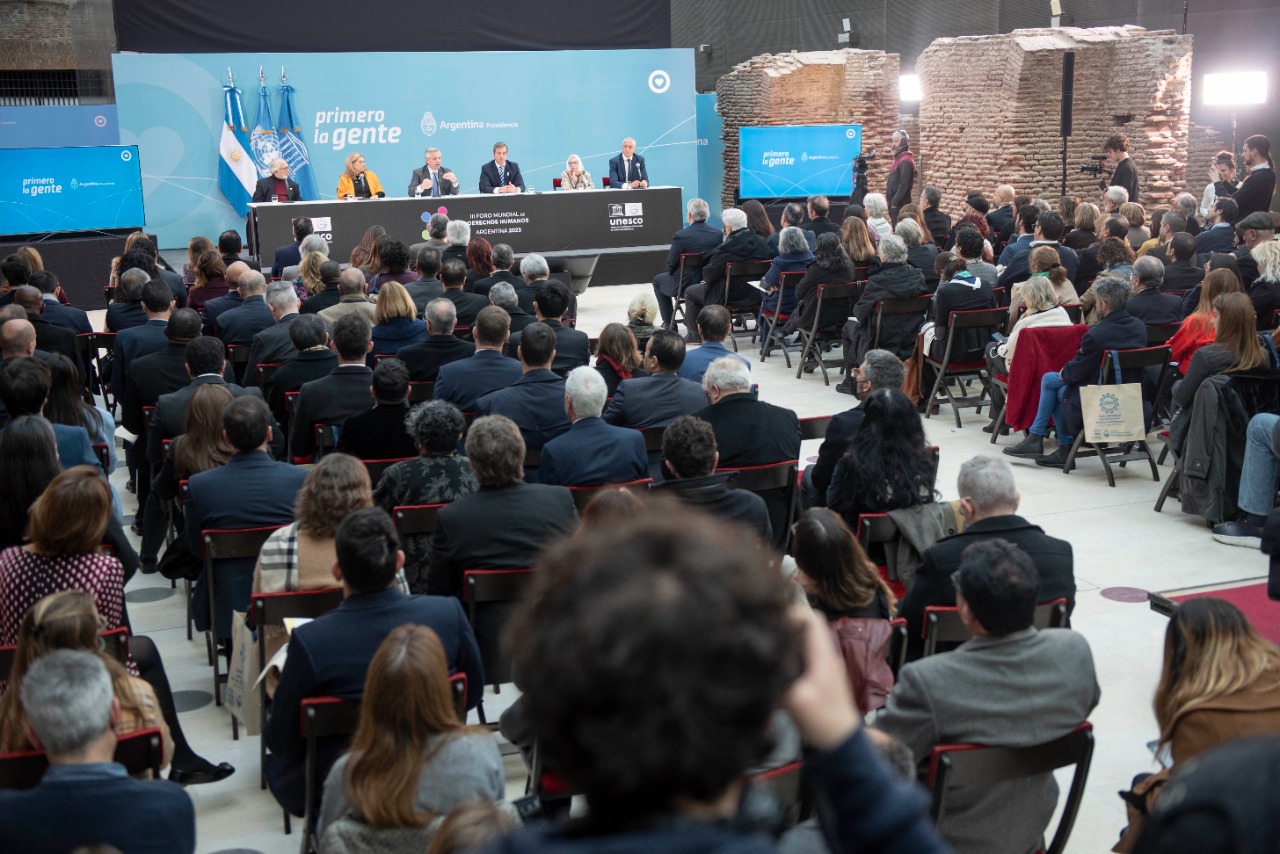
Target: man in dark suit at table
{"x": 250, "y": 491}
{"x": 330, "y": 655}
{"x": 989, "y": 502}
{"x": 740, "y": 244}
{"x": 464, "y": 381}
{"x": 290, "y": 255}
{"x": 593, "y": 452}
{"x": 379, "y": 433}
{"x": 427, "y": 266}
{"x": 573, "y": 347}
{"x": 278, "y": 187}
{"x": 424, "y": 360}
{"x": 659, "y": 397}
{"x": 627, "y": 169}
{"x": 503, "y": 258}
{"x": 535, "y": 402}
{"x": 501, "y": 175}
{"x": 697, "y": 237}
{"x": 49, "y": 337}
{"x": 432, "y": 179}
{"x": 335, "y": 398}
{"x": 750, "y": 432}
{"x": 272, "y": 345}
{"x": 312, "y": 360}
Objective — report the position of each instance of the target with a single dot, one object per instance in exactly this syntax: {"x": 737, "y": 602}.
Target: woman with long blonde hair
{"x": 856, "y": 240}
{"x": 412, "y": 759}
{"x": 357, "y": 182}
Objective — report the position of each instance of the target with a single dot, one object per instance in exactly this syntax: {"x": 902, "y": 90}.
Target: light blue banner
{"x": 797, "y": 160}
{"x": 69, "y": 189}
{"x": 55, "y": 127}
{"x": 390, "y": 107}
{"x": 710, "y": 155}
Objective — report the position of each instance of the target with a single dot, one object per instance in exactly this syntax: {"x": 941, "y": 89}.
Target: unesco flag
{"x": 262, "y": 141}
{"x": 292, "y": 148}
{"x": 236, "y": 173}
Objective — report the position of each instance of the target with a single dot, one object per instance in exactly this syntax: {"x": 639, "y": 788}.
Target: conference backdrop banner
{"x": 797, "y": 160}
{"x": 710, "y": 154}
{"x": 70, "y": 189}
{"x": 54, "y": 127}
{"x": 390, "y": 107}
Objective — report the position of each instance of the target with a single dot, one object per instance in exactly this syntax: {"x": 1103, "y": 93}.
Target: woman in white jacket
{"x": 1044, "y": 309}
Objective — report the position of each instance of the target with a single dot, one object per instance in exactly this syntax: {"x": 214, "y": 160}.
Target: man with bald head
{"x": 277, "y": 187}
{"x": 49, "y": 337}
{"x": 238, "y": 325}
{"x": 17, "y": 340}
{"x": 236, "y": 271}
{"x": 352, "y": 298}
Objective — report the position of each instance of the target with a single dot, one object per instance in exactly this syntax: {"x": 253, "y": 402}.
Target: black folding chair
{"x": 942, "y": 624}
{"x": 906, "y": 307}
{"x": 376, "y": 468}
{"x": 420, "y": 391}
{"x": 990, "y": 319}
{"x": 582, "y": 495}
{"x": 140, "y": 752}
{"x": 488, "y": 595}
{"x": 1160, "y": 333}
{"x": 416, "y": 519}
{"x": 690, "y": 262}
{"x": 772, "y": 334}
{"x": 739, "y": 273}
{"x": 816, "y": 340}
{"x": 814, "y": 427}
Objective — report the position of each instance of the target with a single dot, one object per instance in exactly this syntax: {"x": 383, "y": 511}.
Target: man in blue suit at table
{"x": 501, "y": 175}
{"x": 535, "y": 402}
{"x": 251, "y": 491}
{"x": 592, "y": 453}
{"x": 627, "y": 169}
{"x": 465, "y": 381}
{"x": 698, "y": 237}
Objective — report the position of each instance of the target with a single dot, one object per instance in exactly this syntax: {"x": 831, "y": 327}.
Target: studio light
{"x": 909, "y": 88}
{"x": 1235, "y": 88}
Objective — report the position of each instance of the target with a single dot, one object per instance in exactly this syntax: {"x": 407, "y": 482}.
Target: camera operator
{"x": 1124, "y": 173}
{"x": 902, "y": 174}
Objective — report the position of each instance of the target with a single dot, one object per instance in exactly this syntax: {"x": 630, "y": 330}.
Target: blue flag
{"x": 292, "y": 148}
{"x": 263, "y": 142}
{"x": 236, "y": 173}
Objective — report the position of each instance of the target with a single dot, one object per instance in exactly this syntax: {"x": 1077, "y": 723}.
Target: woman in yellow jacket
{"x": 356, "y": 182}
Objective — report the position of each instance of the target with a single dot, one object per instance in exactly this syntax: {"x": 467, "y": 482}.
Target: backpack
{"x": 862, "y": 642}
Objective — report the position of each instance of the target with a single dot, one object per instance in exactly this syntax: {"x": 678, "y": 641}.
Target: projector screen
{"x": 795, "y": 161}
{"x": 70, "y": 189}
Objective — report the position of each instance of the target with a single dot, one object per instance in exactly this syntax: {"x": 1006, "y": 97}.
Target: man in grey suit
{"x": 1008, "y": 686}
{"x": 433, "y": 179}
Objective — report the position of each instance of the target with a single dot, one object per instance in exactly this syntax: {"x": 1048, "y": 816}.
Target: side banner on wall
{"x": 390, "y": 107}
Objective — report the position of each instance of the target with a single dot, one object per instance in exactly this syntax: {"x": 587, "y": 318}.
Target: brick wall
{"x": 36, "y": 35}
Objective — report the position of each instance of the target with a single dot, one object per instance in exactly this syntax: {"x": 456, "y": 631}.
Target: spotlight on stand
{"x": 1235, "y": 89}
{"x": 909, "y": 88}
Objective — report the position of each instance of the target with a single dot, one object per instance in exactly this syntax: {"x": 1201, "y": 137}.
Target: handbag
{"x": 1113, "y": 413}
{"x": 179, "y": 563}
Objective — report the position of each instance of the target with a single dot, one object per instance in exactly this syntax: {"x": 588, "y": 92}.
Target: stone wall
{"x": 36, "y": 35}
{"x": 990, "y": 110}
{"x": 819, "y": 87}
{"x": 1203, "y": 144}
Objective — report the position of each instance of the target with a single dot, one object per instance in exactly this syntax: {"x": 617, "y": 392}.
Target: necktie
{"x": 626, "y": 171}
{"x": 502, "y": 176}
{"x": 435, "y": 184}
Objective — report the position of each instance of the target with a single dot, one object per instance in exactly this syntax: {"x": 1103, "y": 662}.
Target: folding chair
{"x": 814, "y": 427}
{"x": 992, "y": 319}
{"x": 1134, "y": 363}
{"x": 532, "y": 457}
{"x": 104, "y": 344}
{"x": 757, "y": 479}
{"x": 1075, "y": 312}
{"x": 772, "y": 334}
{"x": 582, "y": 495}
{"x": 742, "y": 272}
{"x": 238, "y": 356}
{"x": 102, "y": 451}
{"x": 271, "y": 609}
{"x": 487, "y": 593}
{"x": 462, "y": 332}
{"x": 942, "y": 624}
{"x": 689, "y": 262}
{"x": 1160, "y": 333}
{"x": 226, "y": 545}
{"x": 1019, "y": 367}
{"x": 917, "y": 306}
{"x": 787, "y": 783}
{"x": 416, "y": 519}
{"x": 140, "y": 751}
{"x": 975, "y": 767}
{"x": 653, "y": 438}
{"x": 816, "y": 340}
{"x": 264, "y": 372}
{"x": 420, "y": 391}
{"x": 377, "y": 468}
{"x": 896, "y": 649}
{"x": 322, "y": 717}
{"x": 326, "y": 439}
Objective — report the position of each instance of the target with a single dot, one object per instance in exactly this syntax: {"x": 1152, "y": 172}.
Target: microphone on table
{"x": 381, "y": 195}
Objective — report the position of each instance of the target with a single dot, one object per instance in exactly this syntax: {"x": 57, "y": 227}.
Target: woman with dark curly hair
{"x": 1116, "y": 258}
{"x": 393, "y": 259}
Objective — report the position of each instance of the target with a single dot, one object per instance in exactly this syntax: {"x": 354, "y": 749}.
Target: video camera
{"x": 1094, "y": 166}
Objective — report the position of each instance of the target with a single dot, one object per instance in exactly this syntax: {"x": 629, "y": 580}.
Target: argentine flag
{"x": 236, "y": 172}
{"x": 292, "y": 148}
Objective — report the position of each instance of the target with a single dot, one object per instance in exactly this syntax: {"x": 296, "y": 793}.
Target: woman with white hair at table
{"x": 574, "y": 177}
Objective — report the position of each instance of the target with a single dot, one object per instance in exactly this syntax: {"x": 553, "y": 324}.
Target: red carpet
{"x": 1252, "y": 600}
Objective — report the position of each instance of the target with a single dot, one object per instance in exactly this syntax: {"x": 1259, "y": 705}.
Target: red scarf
{"x": 904, "y": 155}
{"x": 626, "y": 375}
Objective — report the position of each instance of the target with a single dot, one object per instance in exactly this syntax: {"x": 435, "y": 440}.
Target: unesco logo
{"x": 659, "y": 82}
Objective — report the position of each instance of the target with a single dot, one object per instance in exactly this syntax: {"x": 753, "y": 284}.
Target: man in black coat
{"x": 504, "y": 297}
{"x": 230, "y": 245}
{"x": 503, "y": 258}
{"x": 535, "y": 402}
{"x": 535, "y": 272}
{"x": 1254, "y": 195}
{"x": 697, "y": 237}
{"x": 896, "y": 279}
{"x": 423, "y": 360}
{"x": 272, "y": 345}
{"x": 333, "y": 399}
{"x": 740, "y": 244}
{"x": 660, "y": 396}
{"x": 989, "y": 501}
{"x": 138, "y": 341}
{"x": 278, "y": 187}
{"x": 1125, "y": 173}
{"x": 453, "y": 275}
{"x": 1182, "y": 275}
{"x": 49, "y": 337}
{"x": 126, "y": 312}
{"x": 1001, "y": 214}
{"x": 162, "y": 372}
{"x": 290, "y": 255}
{"x": 313, "y": 359}
{"x": 573, "y": 347}
{"x": 428, "y": 286}
{"x": 1149, "y": 303}
{"x": 750, "y": 432}
{"x": 240, "y": 324}
{"x": 1049, "y": 230}
{"x": 818, "y": 223}
{"x": 938, "y": 222}
{"x": 380, "y": 433}
{"x": 689, "y": 457}
{"x": 330, "y": 271}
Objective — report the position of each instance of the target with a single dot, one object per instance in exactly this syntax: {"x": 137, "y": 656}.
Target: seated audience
{"x": 424, "y": 359}
{"x": 125, "y": 310}
{"x": 50, "y": 337}
{"x": 618, "y": 356}
{"x": 331, "y": 655}
{"x": 24, "y": 389}
{"x": 503, "y": 259}
{"x": 139, "y": 341}
{"x": 896, "y": 279}
{"x": 240, "y": 324}
{"x": 794, "y": 215}
{"x": 535, "y": 402}
{"x": 458, "y": 235}
{"x": 1149, "y": 303}
{"x": 920, "y": 253}
{"x": 396, "y": 323}
{"x": 531, "y": 514}
{"x": 660, "y": 395}
{"x": 937, "y": 222}
{"x": 479, "y": 262}
{"x": 714, "y": 328}
{"x": 1044, "y": 265}
{"x": 378, "y": 433}
{"x": 758, "y": 218}
{"x": 1220, "y": 235}
{"x": 1048, "y": 231}
{"x": 794, "y": 256}
{"x": 331, "y": 400}
{"x": 534, "y": 273}
{"x": 641, "y": 313}
{"x": 958, "y": 290}
{"x": 352, "y": 299}
{"x": 831, "y": 266}
{"x": 740, "y": 244}
{"x": 470, "y": 826}
{"x": 393, "y": 257}
{"x": 464, "y": 381}
{"x": 878, "y": 221}
{"x": 412, "y": 760}
{"x": 1235, "y": 348}
{"x": 437, "y": 476}
{"x": 1137, "y": 218}
{"x": 328, "y": 296}
{"x": 86, "y": 799}
{"x": 504, "y": 297}
{"x": 573, "y": 347}
{"x": 592, "y": 452}
{"x": 857, "y": 243}
{"x": 697, "y": 238}
{"x": 657, "y": 779}
{"x": 1042, "y": 311}
{"x": 313, "y": 359}
{"x": 272, "y": 345}
{"x": 453, "y": 275}
{"x": 1084, "y": 234}
{"x": 1197, "y": 328}
{"x": 66, "y": 406}
{"x": 1257, "y": 495}
{"x": 1181, "y": 274}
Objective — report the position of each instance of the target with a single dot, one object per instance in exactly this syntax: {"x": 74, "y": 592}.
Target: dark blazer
{"x": 176, "y": 286}
{"x": 712, "y": 494}
{"x": 810, "y": 237}
{"x": 67, "y": 316}
{"x": 55, "y": 339}
{"x": 467, "y": 305}
{"x": 525, "y": 293}
{"x": 1255, "y": 193}
{"x": 638, "y": 170}
{"x": 593, "y": 453}
{"x": 898, "y": 332}
{"x": 170, "y": 418}
{"x": 293, "y": 374}
{"x": 834, "y": 312}
{"x": 482, "y": 287}
{"x": 1181, "y": 276}
{"x": 750, "y": 432}
{"x": 77, "y": 806}
{"x": 1126, "y": 175}
{"x": 454, "y": 251}
{"x": 239, "y": 325}
{"x": 1117, "y": 331}
{"x": 653, "y": 401}
{"x": 328, "y": 400}
{"x": 821, "y": 225}
{"x": 330, "y": 656}
{"x": 125, "y": 315}
{"x": 999, "y": 218}
{"x": 424, "y": 291}
{"x": 939, "y": 225}
{"x": 378, "y": 434}
{"x": 520, "y": 319}
{"x": 264, "y": 491}
{"x": 839, "y": 436}
{"x": 424, "y": 360}
{"x": 1219, "y": 237}
{"x": 573, "y": 348}
{"x": 132, "y": 344}
{"x": 447, "y": 187}
{"x": 464, "y": 381}
{"x": 149, "y": 377}
{"x": 1019, "y": 270}
{"x": 265, "y": 190}
{"x": 286, "y": 256}
{"x": 468, "y": 535}
{"x": 318, "y": 302}
{"x": 535, "y": 402}
{"x": 742, "y": 245}
{"x": 231, "y": 259}
{"x": 1153, "y": 307}
{"x": 489, "y": 176}
{"x": 217, "y": 306}
{"x": 932, "y": 584}
{"x": 696, "y": 237}
{"x": 271, "y": 346}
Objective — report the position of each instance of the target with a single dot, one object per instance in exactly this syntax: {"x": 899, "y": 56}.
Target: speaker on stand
{"x": 1068, "y": 95}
